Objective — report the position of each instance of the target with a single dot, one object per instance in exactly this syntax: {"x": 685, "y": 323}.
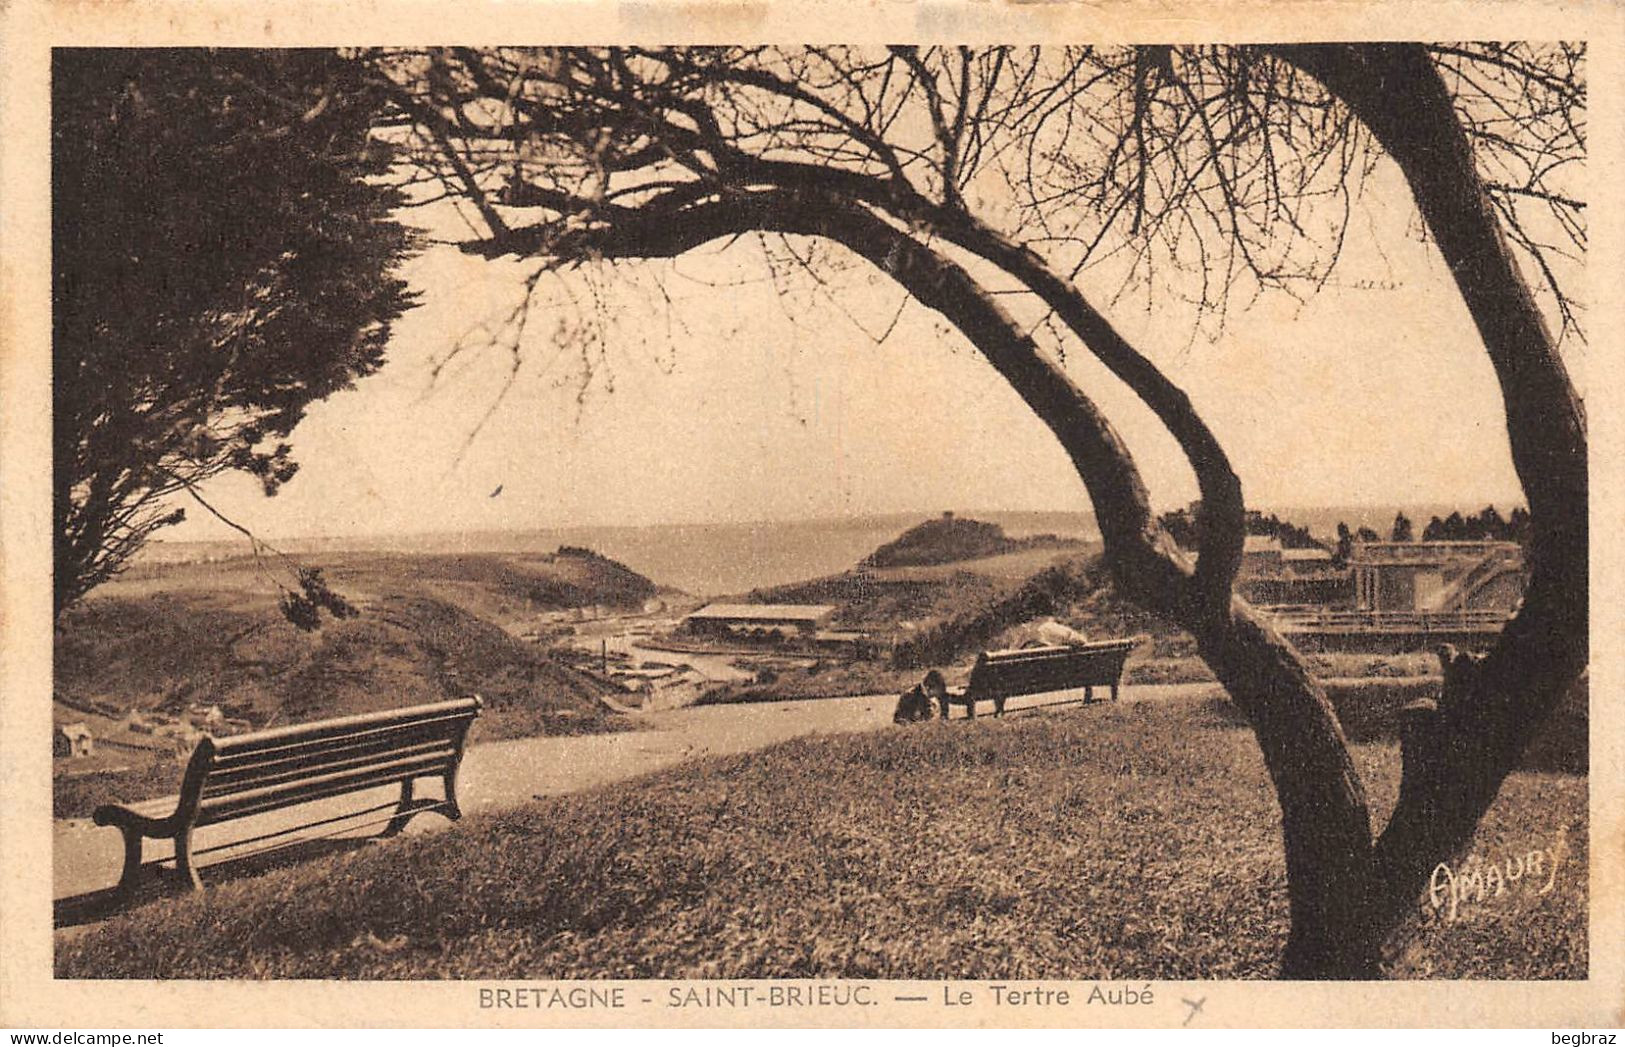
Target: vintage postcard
{"x": 895, "y": 514}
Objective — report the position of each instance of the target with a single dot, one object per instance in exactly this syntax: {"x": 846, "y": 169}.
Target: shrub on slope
{"x": 1076, "y": 590}
{"x": 864, "y": 601}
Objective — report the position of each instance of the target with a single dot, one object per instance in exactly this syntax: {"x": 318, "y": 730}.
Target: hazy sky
{"x": 749, "y": 399}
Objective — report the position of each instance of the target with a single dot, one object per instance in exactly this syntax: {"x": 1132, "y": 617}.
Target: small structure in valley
{"x": 1413, "y": 596}
{"x": 1306, "y": 562}
{"x": 758, "y": 620}
{"x": 71, "y": 740}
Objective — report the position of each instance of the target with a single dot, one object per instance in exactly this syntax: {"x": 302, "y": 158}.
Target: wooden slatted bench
{"x": 233, "y": 778}
{"x": 999, "y": 675}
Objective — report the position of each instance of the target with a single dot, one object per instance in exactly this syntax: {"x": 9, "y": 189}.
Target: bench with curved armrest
{"x": 233, "y": 778}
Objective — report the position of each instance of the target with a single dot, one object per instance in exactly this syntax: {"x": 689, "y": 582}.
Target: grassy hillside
{"x": 863, "y": 600}
{"x": 570, "y": 578}
{"x": 952, "y": 580}
{"x": 1075, "y": 589}
{"x": 498, "y": 586}
{"x": 1138, "y": 841}
{"x": 211, "y": 634}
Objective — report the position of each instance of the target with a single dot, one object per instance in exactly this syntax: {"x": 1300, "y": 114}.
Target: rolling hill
{"x": 934, "y": 571}
{"x": 163, "y": 640}
{"x": 950, "y": 539}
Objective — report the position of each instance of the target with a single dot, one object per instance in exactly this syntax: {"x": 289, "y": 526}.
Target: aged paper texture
{"x": 763, "y": 385}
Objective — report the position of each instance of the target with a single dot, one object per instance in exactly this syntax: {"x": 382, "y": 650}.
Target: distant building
{"x": 1438, "y": 576}
{"x": 71, "y": 740}
{"x": 1272, "y": 574}
{"x": 846, "y": 641}
{"x": 1306, "y": 561}
{"x": 758, "y": 620}
{"x": 1261, "y": 554}
{"x": 1264, "y": 554}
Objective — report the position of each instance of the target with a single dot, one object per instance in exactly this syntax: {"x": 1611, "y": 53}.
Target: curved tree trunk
{"x": 1457, "y": 755}
{"x": 1325, "y": 818}
{"x": 1347, "y": 894}
{"x": 1325, "y": 822}
{"x": 1326, "y": 828}
{"x": 1326, "y": 825}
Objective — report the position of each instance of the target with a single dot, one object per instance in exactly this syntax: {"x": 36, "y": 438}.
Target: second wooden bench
{"x": 999, "y": 675}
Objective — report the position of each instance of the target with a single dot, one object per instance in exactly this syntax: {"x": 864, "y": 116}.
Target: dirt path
{"x": 504, "y": 774}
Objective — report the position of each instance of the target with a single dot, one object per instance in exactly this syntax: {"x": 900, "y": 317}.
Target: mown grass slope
{"x": 1138, "y": 841}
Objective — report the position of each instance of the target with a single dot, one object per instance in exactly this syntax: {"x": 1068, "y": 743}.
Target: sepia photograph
{"x": 821, "y": 533}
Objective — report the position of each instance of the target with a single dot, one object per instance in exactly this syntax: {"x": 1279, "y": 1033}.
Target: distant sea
{"x": 702, "y": 559}
{"x": 730, "y": 558}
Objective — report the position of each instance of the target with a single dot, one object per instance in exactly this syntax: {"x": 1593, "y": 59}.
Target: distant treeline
{"x": 1487, "y": 525}
{"x": 1182, "y": 525}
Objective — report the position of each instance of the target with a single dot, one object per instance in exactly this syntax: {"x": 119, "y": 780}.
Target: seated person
{"x": 936, "y": 688}
{"x": 912, "y": 706}
{"x": 915, "y": 703}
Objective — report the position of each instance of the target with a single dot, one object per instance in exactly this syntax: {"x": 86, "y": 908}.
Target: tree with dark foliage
{"x": 1345, "y": 545}
{"x": 1183, "y": 527}
{"x": 220, "y": 261}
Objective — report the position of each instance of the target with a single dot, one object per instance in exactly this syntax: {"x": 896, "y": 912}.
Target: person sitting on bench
{"x": 915, "y": 704}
